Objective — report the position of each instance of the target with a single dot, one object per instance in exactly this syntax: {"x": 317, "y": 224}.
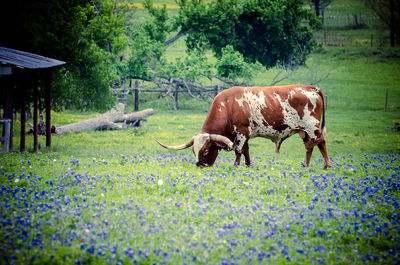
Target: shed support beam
{"x": 23, "y": 124}
{"x": 35, "y": 119}
{"x": 48, "y": 107}
{"x": 8, "y": 110}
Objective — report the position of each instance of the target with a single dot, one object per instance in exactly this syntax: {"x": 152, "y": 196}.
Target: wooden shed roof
{"x": 20, "y": 59}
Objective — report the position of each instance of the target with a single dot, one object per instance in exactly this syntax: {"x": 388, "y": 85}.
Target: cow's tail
{"x": 323, "y": 128}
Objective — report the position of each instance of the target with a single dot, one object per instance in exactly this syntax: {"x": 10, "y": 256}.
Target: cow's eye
{"x": 205, "y": 153}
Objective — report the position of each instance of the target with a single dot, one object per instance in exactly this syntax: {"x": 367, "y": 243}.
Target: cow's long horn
{"x": 177, "y": 147}
{"x": 222, "y": 139}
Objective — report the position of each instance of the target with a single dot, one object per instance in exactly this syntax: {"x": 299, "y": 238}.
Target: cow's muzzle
{"x": 201, "y": 165}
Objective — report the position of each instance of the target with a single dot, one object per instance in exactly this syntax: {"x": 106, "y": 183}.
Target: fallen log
{"x": 108, "y": 121}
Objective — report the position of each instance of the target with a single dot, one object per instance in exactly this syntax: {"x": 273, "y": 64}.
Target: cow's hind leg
{"x": 324, "y": 152}
{"x": 309, "y": 151}
{"x": 309, "y": 145}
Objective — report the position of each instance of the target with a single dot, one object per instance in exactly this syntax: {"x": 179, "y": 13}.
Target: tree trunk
{"x": 108, "y": 120}
{"x": 317, "y": 7}
{"x": 392, "y": 24}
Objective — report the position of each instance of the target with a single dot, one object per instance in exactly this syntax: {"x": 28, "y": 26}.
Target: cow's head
{"x": 205, "y": 147}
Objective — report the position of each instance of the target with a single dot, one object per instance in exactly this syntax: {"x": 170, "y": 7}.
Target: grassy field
{"x": 116, "y": 197}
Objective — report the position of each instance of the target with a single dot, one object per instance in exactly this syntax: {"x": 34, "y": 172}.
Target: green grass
{"x": 355, "y": 132}
{"x": 357, "y": 77}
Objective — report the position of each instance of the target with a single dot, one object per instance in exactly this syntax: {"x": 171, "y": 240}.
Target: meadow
{"x": 116, "y": 197}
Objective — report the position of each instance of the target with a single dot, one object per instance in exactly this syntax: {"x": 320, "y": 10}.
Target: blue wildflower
{"x": 91, "y": 249}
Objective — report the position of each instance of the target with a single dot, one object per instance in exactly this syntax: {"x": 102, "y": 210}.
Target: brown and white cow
{"x": 241, "y": 113}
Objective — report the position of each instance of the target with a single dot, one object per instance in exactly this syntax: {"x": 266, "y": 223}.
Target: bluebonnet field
{"x": 161, "y": 209}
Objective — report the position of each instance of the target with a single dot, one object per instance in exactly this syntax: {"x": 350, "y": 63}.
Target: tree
{"x": 157, "y": 28}
{"x": 269, "y": 32}
{"x": 388, "y": 12}
{"x": 232, "y": 64}
{"x": 319, "y": 6}
{"x": 106, "y": 28}
{"x": 148, "y": 63}
{"x": 88, "y": 35}
{"x": 243, "y": 35}
{"x": 102, "y": 47}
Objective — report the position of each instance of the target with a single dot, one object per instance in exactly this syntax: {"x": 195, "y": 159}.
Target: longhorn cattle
{"x": 276, "y": 113}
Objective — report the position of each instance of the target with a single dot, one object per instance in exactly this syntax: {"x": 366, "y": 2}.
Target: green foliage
{"x": 144, "y": 54}
{"x": 193, "y": 67}
{"x": 232, "y": 65}
{"x": 104, "y": 42}
{"x": 101, "y": 47}
{"x": 91, "y": 89}
{"x": 209, "y": 26}
{"x": 157, "y": 28}
{"x": 89, "y": 37}
{"x": 147, "y": 58}
{"x": 269, "y": 32}
{"x": 107, "y": 28}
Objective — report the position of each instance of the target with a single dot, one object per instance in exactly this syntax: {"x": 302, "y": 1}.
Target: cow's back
{"x": 273, "y": 112}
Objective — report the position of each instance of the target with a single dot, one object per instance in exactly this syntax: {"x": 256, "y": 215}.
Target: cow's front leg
{"x": 245, "y": 152}
{"x": 238, "y": 156}
{"x": 241, "y": 147}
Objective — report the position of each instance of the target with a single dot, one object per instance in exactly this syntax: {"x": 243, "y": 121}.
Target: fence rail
{"x": 122, "y": 93}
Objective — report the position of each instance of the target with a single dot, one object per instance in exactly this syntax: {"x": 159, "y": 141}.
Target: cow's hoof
{"x": 327, "y": 166}
{"x": 304, "y": 164}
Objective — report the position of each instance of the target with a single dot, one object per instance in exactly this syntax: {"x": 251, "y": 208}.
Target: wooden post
{"x": 25, "y": 85}
{"x": 356, "y": 20}
{"x": 216, "y": 89}
{"x": 386, "y": 100}
{"x": 326, "y": 102}
{"x": 35, "y": 119}
{"x": 176, "y": 98}
{"x": 23, "y": 126}
{"x": 8, "y": 136}
{"x": 48, "y": 107}
{"x": 8, "y": 109}
{"x": 136, "y": 95}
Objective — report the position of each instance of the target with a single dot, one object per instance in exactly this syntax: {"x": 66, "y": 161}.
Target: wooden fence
{"x": 122, "y": 93}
